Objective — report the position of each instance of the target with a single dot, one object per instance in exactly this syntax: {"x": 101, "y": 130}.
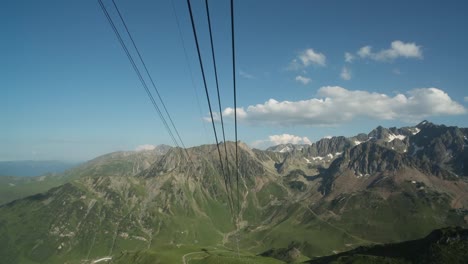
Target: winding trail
{"x": 102, "y": 259}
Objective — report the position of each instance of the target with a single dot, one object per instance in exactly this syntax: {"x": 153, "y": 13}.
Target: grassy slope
{"x": 13, "y": 188}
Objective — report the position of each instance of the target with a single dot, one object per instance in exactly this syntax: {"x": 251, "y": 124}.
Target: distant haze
{"x": 29, "y": 168}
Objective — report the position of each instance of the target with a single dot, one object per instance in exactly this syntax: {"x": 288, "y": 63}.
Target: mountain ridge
{"x": 125, "y": 202}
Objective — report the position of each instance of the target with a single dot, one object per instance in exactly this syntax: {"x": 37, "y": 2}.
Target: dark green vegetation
{"x": 152, "y": 207}
{"x": 449, "y": 245}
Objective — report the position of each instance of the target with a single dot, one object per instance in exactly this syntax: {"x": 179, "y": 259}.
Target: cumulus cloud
{"x": 306, "y": 58}
{"x": 345, "y": 74}
{"x": 348, "y": 57}
{"x": 335, "y": 105}
{"x": 397, "y": 49}
{"x": 364, "y": 52}
{"x": 287, "y": 138}
{"x": 309, "y": 56}
{"x": 281, "y": 139}
{"x": 145, "y": 147}
{"x": 303, "y": 80}
{"x": 229, "y": 112}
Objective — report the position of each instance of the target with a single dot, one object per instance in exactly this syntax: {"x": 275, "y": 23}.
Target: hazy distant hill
{"x": 337, "y": 194}
{"x": 123, "y": 163}
{"x": 29, "y": 168}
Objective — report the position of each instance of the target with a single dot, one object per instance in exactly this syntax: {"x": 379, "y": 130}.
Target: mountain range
{"x": 181, "y": 205}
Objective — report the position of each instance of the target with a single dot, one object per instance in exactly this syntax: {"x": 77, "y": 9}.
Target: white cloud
{"x": 274, "y": 140}
{"x": 364, "y": 52}
{"x": 336, "y": 105}
{"x": 287, "y": 138}
{"x": 303, "y": 80}
{"x": 397, "y": 49}
{"x": 309, "y": 56}
{"x": 145, "y": 147}
{"x": 241, "y": 114}
{"x": 246, "y": 75}
{"x": 345, "y": 74}
{"x": 348, "y": 57}
{"x": 306, "y": 58}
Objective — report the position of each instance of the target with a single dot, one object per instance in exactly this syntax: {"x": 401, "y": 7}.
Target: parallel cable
{"x": 235, "y": 100}
{"x": 137, "y": 71}
{"x": 235, "y": 122}
{"x": 188, "y": 66}
{"x": 151, "y": 79}
{"x": 208, "y": 97}
{"x": 217, "y": 88}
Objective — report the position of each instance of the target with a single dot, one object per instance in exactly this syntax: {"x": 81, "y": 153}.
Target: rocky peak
{"x": 201, "y": 160}
{"x": 441, "y": 145}
{"x": 326, "y": 146}
{"x": 425, "y": 124}
{"x": 370, "y": 158}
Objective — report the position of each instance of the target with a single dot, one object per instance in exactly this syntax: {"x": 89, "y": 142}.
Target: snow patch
{"x": 392, "y": 137}
{"x": 416, "y": 130}
{"x": 307, "y": 160}
{"x": 357, "y": 142}
{"x": 328, "y": 156}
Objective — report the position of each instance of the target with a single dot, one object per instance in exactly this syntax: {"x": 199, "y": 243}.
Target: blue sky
{"x": 69, "y": 92}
